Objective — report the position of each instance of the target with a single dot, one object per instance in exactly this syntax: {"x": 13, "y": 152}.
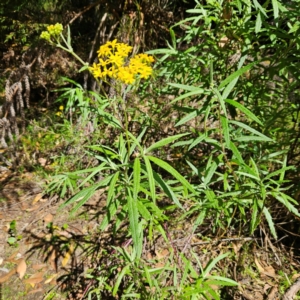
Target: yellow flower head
{"x": 112, "y": 63}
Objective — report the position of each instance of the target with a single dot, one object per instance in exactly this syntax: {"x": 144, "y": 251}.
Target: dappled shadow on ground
{"x": 69, "y": 257}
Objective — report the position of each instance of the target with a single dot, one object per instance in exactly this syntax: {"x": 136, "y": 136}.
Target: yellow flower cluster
{"x": 52, "y": 30}
{"x": 112, "y": 63}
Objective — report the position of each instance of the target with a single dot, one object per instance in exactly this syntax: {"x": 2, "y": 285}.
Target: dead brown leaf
{"x": 38, "y": 266}
{"x": 35, "y": 291}
{"x": 162, "y": 254}
{"x": 51, "y": 278}
{"x": 48, "y": 218}
{"x": 42, "y": 161}
{"x": 6, "y": 277}
{"x": 37, "y": 198}
{"x": 35, "y": 278}
{"x": 273, "y": 293}
{"x": 21, "y": 268}
{"x": 67, "y": 256}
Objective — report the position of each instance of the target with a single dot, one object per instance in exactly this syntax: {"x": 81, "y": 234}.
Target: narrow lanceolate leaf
{"x": 84, "y": 195}
{"x": 270, "y": 222}
{"x": 236, "y": 152}
{"x": 136, "y": 177}
{"x": 112, "y": 185}
{"x": 225, "y": 128}
{"x": 173, "y": 172}
{"x": 242, "y": 125}
{"x": 189, "y": 94}
{"x": 245, "y": 110}
{"x": 210, "y": 172}
{"x": 236, "y": 74}
{"x": 150, "y": 178}
{"x": 165, "y": 187}
{"x": 221, "y": 101}
{"x": 111, "y": 210}
{"x": 213, "y": 263}
{"x": 134, "y": 220}
{"x": 275, "y": 8}
{"x": 164, "y": 142}
{"x": 185, "y": 87}
{"x": 254, "y": 220}
{"x": 137, "y": 140}
{"x": 260, "y": 8}
{"x": 188, "y": 117}
{"x": 258, "y": 23}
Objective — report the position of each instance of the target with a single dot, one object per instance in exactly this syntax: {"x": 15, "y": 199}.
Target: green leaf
{"x": 136, "y": 177}
{"x": 133, "y": 214}
{"x": 173, "y": 172}
{"x": 236, "y": 74}
{"x": 242, "y": 125}
{"x": 84, "y": 195}
{"x": 249, "y": 138}
{"x": 188, "y": 117}
{"x": 198, "y": 140}
{"x": 260, "y": 8}
{"x": 254, "y": 221}
{"x": 245, "y": 110}
{"x": 223, "y": 281}
{"x": 164, "y": 142}
{"x": 279, "y": 172}
{"x": 189, "y": 94}
{"x": 213, "y": 263}
{"x": 173, "y": 38}
{"x": 162, "y": 51}
{"x": 112, "y": 185}
{"x": 136, "y": 141}
{"x": 258, "y": 23}
{"x": 225, "y": 129}
{"x": 275, "y": 8}
{"x": 165, "y": 187}
{"x": 270, "y": 222}
{"x": 111, "y": 210}
{"x": 120, "y": 276}
{"x": 184, "y": 87}
{"x": 286, "y": 201}
{"x": 210, "y": 172}
{"x": 221, "y": 100}
{"x": 150, "y": 178}
{"x": 236, "y": 152}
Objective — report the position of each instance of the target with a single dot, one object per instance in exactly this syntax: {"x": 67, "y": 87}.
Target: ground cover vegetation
{"x": 167, "y": 149}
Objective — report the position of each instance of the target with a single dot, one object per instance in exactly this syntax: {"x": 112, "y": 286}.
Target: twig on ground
{"x": 292, "y": 291}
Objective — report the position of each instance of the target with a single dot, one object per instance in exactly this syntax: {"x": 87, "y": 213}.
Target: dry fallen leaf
{"x": 40, "y": 290}
{"x": 51, "y": 278}
{"x": 21, "y": 268}
{"x": 273, "y": 293}
{"x": 161, "y": 254}
{"x": 35, "y": 278}
{"x": 67, "y": 256}
{"x": 42, "y": 161}
{"x": 37, "y": 198}
{"x": 53, "y": 260}
{"x": 259, "y": 267}
{"x": 6, "y": 277}
{"x": 48, "y": 218}
{"x": 38, "y": 266}
{"x": 269, "y": 271}
{"x": 13, "y": 256}
{"x": 295, "y": 276}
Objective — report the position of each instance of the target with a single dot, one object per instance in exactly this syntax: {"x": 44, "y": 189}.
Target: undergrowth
{"x": 208, "y": 138}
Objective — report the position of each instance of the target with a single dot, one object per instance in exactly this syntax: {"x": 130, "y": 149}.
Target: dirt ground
{"x": 45, "y": 253}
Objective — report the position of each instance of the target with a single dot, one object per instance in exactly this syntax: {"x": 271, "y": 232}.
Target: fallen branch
{"x": 292, "y": 291}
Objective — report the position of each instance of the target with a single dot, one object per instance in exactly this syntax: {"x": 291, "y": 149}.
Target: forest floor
{"x": 45, "y": 253}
